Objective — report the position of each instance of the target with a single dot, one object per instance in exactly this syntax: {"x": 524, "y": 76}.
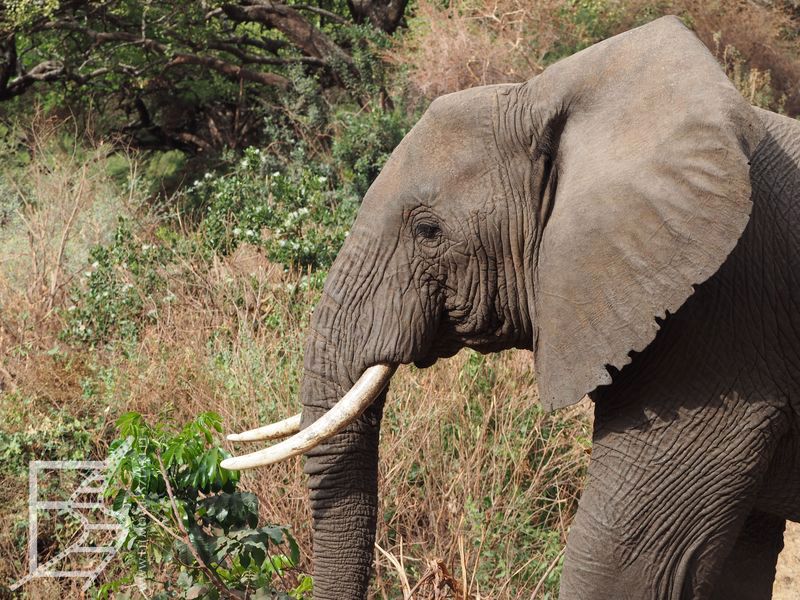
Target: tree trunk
{"x": 383, "y": 14}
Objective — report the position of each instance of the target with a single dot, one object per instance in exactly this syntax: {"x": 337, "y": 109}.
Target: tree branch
{"x": 322, "y": 12}
{"x": 310, "y": 40}
{"x": 48, "y": 70}
{"x": 230, "y": 70}
{"x": 246, "y": 57}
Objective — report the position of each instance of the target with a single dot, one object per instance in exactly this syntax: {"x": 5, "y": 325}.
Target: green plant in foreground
{"x": 186, "y": 522}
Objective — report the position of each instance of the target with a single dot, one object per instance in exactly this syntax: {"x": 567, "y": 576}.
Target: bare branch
{"x": 246, "y": 57}
{"x": 230, "y": 70}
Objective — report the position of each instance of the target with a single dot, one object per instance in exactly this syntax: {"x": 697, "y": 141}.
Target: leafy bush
{"x": 184, "y": 517}
{"x": 369, "y": 76}
{"x": 364, "y": 141}
{"x": 293, "y": 215}
{"x": 119, "y": 291}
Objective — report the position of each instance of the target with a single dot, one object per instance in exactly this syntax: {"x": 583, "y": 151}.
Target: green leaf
{"x": 274, "y": 533}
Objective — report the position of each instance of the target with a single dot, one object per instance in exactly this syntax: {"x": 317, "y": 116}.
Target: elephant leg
{"x": 669, "y": 488}
{"x": 749, "y": 570}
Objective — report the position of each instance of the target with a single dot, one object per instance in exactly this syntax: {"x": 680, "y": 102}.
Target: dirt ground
{"x": 787, "y": 580}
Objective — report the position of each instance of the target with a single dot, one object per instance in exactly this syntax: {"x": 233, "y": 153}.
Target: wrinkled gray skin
{"x": 600, "y": 215}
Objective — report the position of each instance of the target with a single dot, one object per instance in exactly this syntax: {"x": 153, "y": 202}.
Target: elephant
{"x": 630, "y": 218}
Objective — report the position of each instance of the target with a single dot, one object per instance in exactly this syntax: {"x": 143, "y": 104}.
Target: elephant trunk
{"x": 343, "y": 470}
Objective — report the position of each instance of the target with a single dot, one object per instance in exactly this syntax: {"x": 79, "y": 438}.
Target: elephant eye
{"x": 427, "y": 230}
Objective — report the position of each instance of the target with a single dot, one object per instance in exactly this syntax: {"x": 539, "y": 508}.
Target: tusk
{"x": 269, "y": 432}
{"x": 344, "y": 412}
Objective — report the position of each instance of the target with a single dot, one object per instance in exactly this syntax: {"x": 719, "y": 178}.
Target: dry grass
{"x": 474, "y": 478}
{"x": 56, "y": 207}
{"x": 765, "y": 36}
{"x": 478, "y": 42}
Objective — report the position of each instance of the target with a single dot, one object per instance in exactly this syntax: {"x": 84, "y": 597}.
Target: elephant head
{"x": 565, "y": 215}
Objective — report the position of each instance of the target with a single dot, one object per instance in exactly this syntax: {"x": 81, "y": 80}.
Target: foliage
{"x": 20, "y": 12}
{"x": 183, "y": 513}
{"x": 370, "y": 78}
{"x": 123, "y": 286}
{"x": 57, "y": 436}
{"x": 364, "y": 141}
{"x": 195, "y": 76}
{"x": 293, "y": 215}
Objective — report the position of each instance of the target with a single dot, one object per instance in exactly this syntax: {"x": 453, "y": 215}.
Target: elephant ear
{"x": 645, "y": 144}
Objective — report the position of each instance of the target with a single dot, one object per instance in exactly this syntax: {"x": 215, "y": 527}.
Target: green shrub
{"x": 364, "y": 141}
{"x": 119, "y": 291}
{"x": 293, "y": 215}
{"x": 185, "y": 519}
{"x": 369, "y": 75}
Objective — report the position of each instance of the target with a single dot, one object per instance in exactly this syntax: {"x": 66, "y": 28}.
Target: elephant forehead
{"x": 444, "y": 152}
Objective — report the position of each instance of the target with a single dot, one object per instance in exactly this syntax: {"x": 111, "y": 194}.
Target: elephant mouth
{"x": 363, "y": 393}
{"x": 424, "y": 363}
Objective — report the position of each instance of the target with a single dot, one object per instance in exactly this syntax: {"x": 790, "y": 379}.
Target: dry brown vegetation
{"x": 469, "y": 43}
